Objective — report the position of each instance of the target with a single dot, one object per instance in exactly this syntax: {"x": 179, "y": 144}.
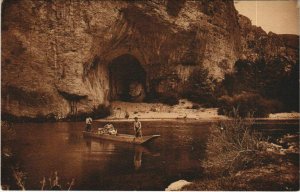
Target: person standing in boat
{"x": 88, "y": 122}
{"x": 137, "y": 127}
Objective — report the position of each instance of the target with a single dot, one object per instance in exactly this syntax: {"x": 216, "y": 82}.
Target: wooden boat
{"x": 121, "y": 137}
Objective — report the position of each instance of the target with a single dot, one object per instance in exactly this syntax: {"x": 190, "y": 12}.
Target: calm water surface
{"x": 43, "y": 148}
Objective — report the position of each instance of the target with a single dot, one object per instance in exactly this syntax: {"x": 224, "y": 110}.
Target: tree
{"x": 200, "y": 87}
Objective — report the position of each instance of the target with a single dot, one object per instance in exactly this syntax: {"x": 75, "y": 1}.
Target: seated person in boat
{"x": 88, "y": 122}
{"x": 112, "y": 132}
{"x": 137, "y": 127}
{"x": 108, "y": 129}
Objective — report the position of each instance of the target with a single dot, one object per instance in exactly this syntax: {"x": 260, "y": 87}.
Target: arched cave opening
{"x": 127, "y": 79}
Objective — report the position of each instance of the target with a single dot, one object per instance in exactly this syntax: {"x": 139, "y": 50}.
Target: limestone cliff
{"x": 256, "y": 43}
{"x": 64, "y": 57}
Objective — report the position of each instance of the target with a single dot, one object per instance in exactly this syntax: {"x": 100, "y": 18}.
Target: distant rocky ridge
{"x": 256, "y": 43}
{"x": 57, "y": 55}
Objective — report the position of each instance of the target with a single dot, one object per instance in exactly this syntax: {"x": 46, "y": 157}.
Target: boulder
{"x": 178, "y": 185}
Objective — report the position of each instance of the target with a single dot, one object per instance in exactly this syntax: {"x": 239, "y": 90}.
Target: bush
{"x": 196, "y": 106}
{"x": 38, "y": 119}
{"x": 174, "y": 7}
{"x": 169, "y": 100}
{"x": 276, "y": 79}
{"x": 232, "y": 146}
{"x": 205, "y": 99}
{"x": 101, "y": 111}
{"x": 200, "y": 88}
{"x": 289, "y": 89}
{"x": 248, "y": 104}
{"x": 7, "y": 132}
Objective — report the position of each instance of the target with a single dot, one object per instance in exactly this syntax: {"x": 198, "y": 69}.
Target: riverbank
{"x": 125, "y": 111}
{"x": 276, "y": 169}
{"x": 273, "y": 177}
{"x": 246, "y": 161}
{"x": 283, "y": 176}
{"x": 184, "y": 110}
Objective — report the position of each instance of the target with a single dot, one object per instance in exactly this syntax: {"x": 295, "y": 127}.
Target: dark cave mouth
{"x": 127, "y": 79}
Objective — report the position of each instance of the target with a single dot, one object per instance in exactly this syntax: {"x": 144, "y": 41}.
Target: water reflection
{"x": 105, "y": 165}
{"x": 88, "y": 143}
{"x": 97, "y": 147}
{"x": 137, "y": 160}
{"x": 139, "y": 150}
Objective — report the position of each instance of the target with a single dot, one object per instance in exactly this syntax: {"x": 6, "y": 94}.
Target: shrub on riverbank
{"x": 21, "y": 119}
{"x": 101, "y": 111}
{"x": 169, "y": 99}
{"x": 248, "y": 104}
{"x": 273, "y": 177}
{"x": 276, "y": 79}
{"x": 232, "y": 146}
{"x": 238, "y": 158}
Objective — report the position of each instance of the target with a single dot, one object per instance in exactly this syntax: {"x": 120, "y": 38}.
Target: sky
{"x": 278, "y": 16}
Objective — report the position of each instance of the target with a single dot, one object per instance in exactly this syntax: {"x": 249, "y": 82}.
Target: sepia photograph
{"x": 150, "y": 95}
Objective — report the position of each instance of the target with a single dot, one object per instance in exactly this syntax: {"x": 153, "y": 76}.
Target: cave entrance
{"x": 127, "y": 79}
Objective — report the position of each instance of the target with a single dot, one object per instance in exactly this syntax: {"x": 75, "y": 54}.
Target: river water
{"x": 42, "y": 148}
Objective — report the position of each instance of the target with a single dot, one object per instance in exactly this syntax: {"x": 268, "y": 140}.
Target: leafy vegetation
{"x": 169, "y": 99}
{"x": 260, "y": 88}
{"x": 248, "y": 104}
{"x": 239, "y": 158}
{"x": 200, "y": 88}
{"x": 232, "y": 145}
{"x": 257, "y": 88}
{"x": 100, "y": 111}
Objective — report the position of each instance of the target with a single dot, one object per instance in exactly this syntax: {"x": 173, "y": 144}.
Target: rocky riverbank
{"x": 281, "y": 173}
{"x": 275, "y": 167}
{"x": 283, "y": 176}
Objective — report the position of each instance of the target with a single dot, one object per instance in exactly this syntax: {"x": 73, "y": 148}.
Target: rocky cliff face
{"x": 65, "y": 57}
{"x": 256, "y": 44}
